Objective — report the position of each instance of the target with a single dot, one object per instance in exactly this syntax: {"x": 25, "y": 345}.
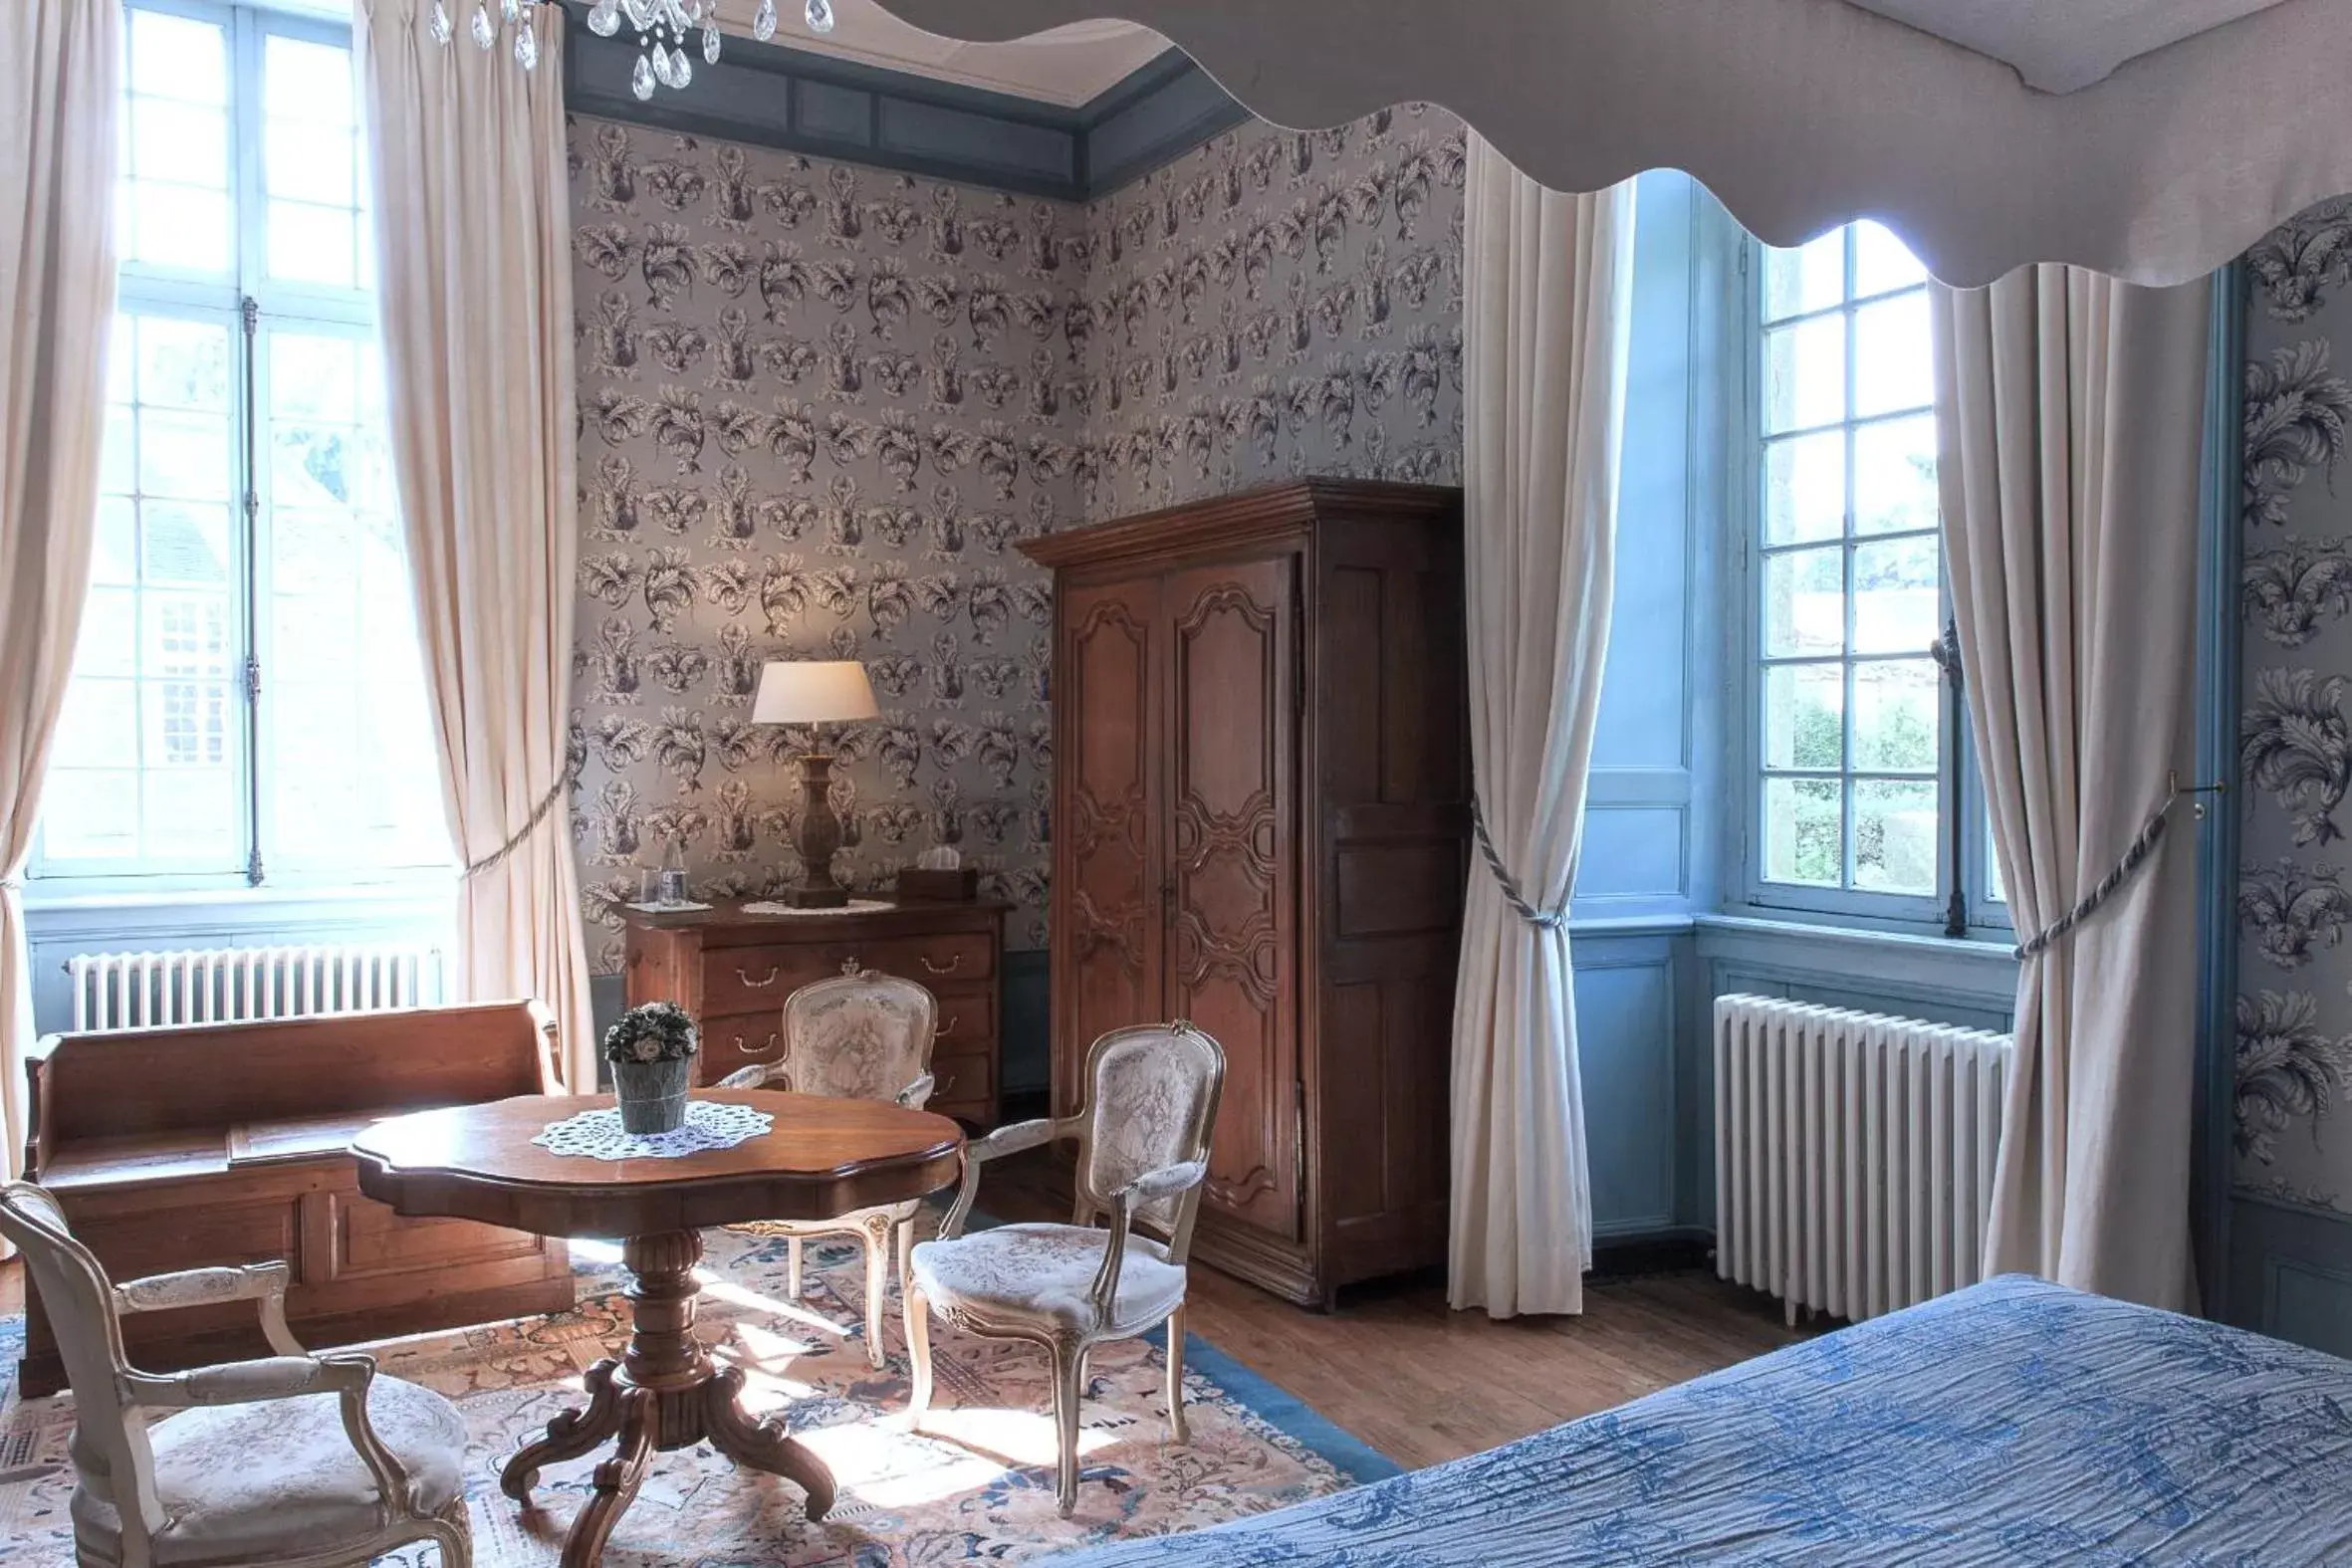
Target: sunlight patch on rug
{"x": 975, "y": 1487}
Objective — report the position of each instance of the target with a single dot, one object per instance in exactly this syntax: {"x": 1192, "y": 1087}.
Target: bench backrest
{"x": 114, "y": 1083}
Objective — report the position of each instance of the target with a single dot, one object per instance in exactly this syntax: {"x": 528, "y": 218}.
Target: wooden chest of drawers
{"x": 732, "y": 972}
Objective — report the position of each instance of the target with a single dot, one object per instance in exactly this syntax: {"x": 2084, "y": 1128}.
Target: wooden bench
{"x": 222, "y": 1144}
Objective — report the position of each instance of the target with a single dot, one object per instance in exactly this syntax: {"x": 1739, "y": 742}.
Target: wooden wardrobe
{"x": 1260, "y": 820}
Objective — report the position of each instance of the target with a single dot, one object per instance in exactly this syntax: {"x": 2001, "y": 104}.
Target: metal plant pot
{"x": 652, "y": 1094}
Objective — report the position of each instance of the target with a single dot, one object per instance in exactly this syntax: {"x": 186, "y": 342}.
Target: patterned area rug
{"x": 977, "y": 1488}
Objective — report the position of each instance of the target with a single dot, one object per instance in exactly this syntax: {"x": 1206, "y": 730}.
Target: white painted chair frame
{"x": 887, "y": 1231}
{"x": 112, "y": 1398}
{"x": 1177, "y": 1183}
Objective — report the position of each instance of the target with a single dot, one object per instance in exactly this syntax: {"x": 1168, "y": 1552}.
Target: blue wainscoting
{"x": 65, "y": 929}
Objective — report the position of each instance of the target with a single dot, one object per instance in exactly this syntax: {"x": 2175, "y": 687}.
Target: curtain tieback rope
{"x": 2135, "y": 856}
{"x": 1541, "y": 919}
{"x": 539, "y": 814}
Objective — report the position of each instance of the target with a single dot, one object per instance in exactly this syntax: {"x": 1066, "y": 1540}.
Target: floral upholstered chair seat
{"x": 1143, "y": 1152}
{"x": 857, "y": 1036}
{"x": 291, "y": 1461}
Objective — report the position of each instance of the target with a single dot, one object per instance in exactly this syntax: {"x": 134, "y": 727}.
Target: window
{"x": 1858, "y": 751}
{"x": 247, "y": 701}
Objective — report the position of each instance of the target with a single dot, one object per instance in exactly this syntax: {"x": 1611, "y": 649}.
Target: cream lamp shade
{"x": 814, "y": 691}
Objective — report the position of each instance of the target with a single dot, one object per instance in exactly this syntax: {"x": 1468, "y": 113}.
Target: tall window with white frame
{"x": 247, "y": 702}
{"x": 1857, "y": 766}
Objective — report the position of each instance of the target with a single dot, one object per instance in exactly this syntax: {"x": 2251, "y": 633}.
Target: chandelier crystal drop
{"x": 440, "y": 24}
{"x": 603, "y": 18}
{"x": 820, "y": 16}
{"x": 485, "y": 33}
{"x": 764, "y": 21}
{"x": 664, "y": 28}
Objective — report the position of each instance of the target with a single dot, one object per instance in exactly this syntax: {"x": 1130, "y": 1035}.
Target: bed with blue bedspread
{"x": 2016, "y": 1421}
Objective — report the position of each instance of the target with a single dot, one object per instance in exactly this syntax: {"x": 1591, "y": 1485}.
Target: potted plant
{"x": 652, "y": 1049}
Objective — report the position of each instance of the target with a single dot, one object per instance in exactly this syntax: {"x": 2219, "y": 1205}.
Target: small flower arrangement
{"x": 650, "y": 1032}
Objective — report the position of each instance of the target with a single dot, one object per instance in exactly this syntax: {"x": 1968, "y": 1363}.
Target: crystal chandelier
{"x": 662, "y": 28}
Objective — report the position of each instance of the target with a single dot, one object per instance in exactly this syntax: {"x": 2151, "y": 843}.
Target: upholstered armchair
{"x": 1143, "y": 1152}
{"x": 291, "y": 1461}
{"x": 857, "y": 1036}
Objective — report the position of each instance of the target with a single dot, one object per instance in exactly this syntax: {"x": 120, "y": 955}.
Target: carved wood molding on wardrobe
{"x": 1261, "y": 823}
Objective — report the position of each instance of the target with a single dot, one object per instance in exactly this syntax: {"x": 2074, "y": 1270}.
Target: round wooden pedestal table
{"x": 824, "y": 1158}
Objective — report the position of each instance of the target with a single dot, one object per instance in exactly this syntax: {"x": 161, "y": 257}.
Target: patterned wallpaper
{"x": 2295, "y": 1009}
{"x": 1276, "y": 304}
{"x": 821, "y": 404}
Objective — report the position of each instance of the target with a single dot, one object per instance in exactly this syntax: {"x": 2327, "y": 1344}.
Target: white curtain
{"x": 1546, "y": 320}
{"x": 473, "y": 216}
{"x": 2069, "y": 409}
{"x": 58, "y": 113}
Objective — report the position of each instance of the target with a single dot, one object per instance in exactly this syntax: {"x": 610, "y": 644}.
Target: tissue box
{"x": 916, "y": 885}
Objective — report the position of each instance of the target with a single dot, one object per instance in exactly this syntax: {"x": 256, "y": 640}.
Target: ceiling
{"x": 1067, "y": 66}
{"x": 2060, "y": 46}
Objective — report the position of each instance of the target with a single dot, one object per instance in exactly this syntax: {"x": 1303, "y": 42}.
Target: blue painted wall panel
{"x": 1624, "y": 1045}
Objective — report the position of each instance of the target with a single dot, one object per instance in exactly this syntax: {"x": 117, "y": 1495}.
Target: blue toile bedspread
{"x": 2016, "y": 1421}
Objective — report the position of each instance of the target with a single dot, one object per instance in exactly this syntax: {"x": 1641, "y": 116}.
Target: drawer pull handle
{"x": 948, "y": 968}
{"x": 746, "y": 1050}
{"x": 945, "y": 1029}
{"x": 745, "y": 976}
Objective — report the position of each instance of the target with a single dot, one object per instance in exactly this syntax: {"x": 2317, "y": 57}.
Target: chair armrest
{"x": 1150, "y": 1187}
{"x": 248, "y": 1382}
{"x": 262, "y": 1282}
{"x": 288, "y": 1377}
{"x": 995, "y": 1146}
{"x": 756, "y": 1076}
{"x": 917, "y": 1094}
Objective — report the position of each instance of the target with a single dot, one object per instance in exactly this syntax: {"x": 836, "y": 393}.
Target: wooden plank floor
{"x": 1421, "y": 1384}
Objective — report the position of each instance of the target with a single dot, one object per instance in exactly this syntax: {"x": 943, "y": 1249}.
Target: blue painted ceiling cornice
{"x": 774, "y": 96}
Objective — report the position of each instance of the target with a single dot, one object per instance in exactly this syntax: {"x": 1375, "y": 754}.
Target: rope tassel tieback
{"x": 1541, "y": 919}
{"x": 2135, "y": 856}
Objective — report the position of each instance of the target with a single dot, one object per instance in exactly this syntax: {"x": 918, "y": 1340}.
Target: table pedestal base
{"x": 665, "y": 1392}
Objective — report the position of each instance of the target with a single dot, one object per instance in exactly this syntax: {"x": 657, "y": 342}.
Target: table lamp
{"x": 814, "y": 692}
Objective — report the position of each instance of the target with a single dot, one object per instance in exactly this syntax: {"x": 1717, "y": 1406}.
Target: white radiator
{"x": 122, "y": 991}
{"x": 1853, "y": 1154}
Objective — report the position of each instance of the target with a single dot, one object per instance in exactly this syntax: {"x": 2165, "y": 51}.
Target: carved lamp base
{"x": 820, "y": 835}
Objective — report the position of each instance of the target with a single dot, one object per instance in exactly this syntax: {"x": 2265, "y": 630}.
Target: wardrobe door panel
{"x": 1108, "y": 943}
{"x": 1232, "y": 885}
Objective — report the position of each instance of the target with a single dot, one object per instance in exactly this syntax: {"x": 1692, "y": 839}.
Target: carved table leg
{"x": 665, "y": 1392}
{"x": 763, "y": 1444}
{"x": 616, "y": 1481}
{"x": 569, "y": 1436}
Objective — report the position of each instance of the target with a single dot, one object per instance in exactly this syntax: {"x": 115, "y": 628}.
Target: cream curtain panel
{"x": 1549, "y": 283}
{"x": 57, "y": 108}
{"x": 2069, "y": 409}
{"x": 472, "y": 214}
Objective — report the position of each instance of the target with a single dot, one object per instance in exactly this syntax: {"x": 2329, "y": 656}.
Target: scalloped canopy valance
{"x": 2153, "y": 140}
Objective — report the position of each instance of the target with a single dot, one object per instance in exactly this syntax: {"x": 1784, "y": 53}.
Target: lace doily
{"x": 856, "y": 906}
{"x": 710, "y": 1124}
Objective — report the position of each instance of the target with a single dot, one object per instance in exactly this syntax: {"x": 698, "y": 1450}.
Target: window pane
{"x": 150, "y": 739}
{"x": 352, "y": 778}
{"x": 1804, "y": 716}
{"x": 1895, "y": 476}
{"x": 307, "y": 81}
{"x": 1806, "y": 374}
{"x": 1897, "y": 715}
{"x": 1805, "y": 603}
{"x": 1806, "y": 489}
{"x": 88, "y": 813}
{"x": 1805, "y": 831}
{"x": 1898, "y": 601}
{"x": 307, "y": 164}
{"x": 1898, "y": 838}
{"x": 178, "y": 57}
{"x": 310, "y": 244}
{"x": 1883, "y": 263}
{"x": 179, "y": 143}
{"x": 1809, "y": 278}
{"x": 179, "y": 226}
{"x": 1849, "y": 574}
{"x": 1894, "y": 365}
